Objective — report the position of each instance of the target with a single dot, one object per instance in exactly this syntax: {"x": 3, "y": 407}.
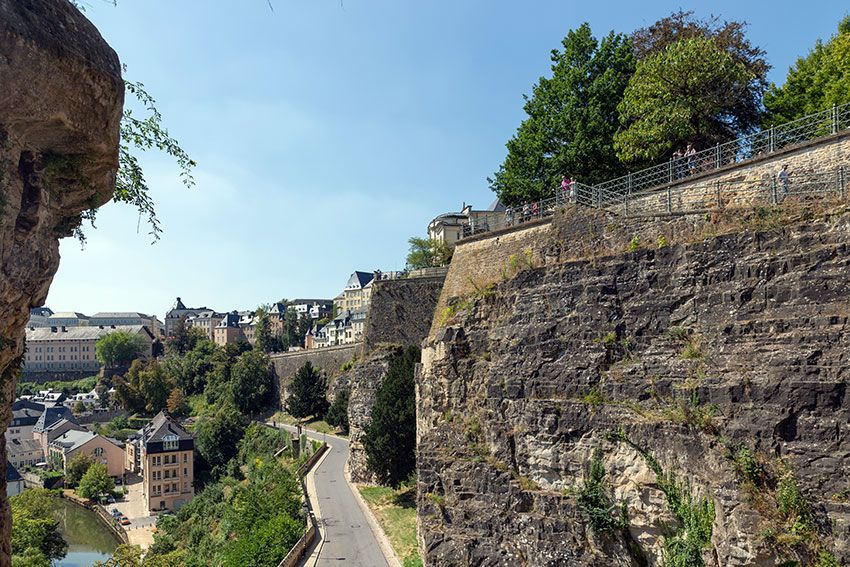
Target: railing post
{"x": 669, "y": 200}
{"x": 770, "y": 140}
{"x": 670, "y": 171}
{"x": 834, "y": 118}
{"x": 717, "y": 158}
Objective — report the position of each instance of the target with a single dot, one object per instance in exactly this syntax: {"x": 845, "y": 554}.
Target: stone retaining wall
{"x": 329, "y": 360}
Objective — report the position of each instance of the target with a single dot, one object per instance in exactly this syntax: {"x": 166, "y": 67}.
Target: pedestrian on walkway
{"x": 678, "y": 165}
{"x": 691, "y": 157}
{"x": 509, "y": 217}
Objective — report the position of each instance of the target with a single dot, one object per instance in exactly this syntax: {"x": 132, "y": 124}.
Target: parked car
{"x": 110, "y": 499}
{"x": 125, "y": 521}
{"x": 115, "y": 513}
{"x": 118, "y": 481}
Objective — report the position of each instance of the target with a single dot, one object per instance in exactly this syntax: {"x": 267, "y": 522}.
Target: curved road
{"x": 345, "y": 537}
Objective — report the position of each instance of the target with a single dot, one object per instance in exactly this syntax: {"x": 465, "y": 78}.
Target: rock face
{"x": 60, "y": 107}
{"x": 399, "y": 316}
{"x": 716, "y": 356}
{"x": 365, "y": 379}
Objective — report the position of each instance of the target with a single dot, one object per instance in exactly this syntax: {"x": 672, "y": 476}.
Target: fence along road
{"x": 346, "y": 536}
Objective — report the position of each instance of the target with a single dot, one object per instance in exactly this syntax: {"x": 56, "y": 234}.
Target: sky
{"x": 328, "y": 132}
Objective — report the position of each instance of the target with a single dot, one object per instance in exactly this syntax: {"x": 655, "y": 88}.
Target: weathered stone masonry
{"x": 505, "y": 424}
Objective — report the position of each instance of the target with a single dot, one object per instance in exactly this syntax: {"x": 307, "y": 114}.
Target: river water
{"x": 88, "y": 539}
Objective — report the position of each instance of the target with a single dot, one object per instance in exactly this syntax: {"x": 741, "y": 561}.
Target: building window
{"x": 185, "y": 458}
{"x": 170, "y": 442}
{"x": 98, "y": 452}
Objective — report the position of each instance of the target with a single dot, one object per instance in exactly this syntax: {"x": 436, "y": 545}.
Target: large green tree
{"x": 35, "y": 533}
{"x": 118, "y": 348}
{"x": 428, "y": 252}
{"x": 337, "y": 415}
{"x": 251, "y": 381}
{"x": 76, "y": 468}
{"x": 572, "y": 118}
{"x": 815, "y": 82}
{"x": 390, "y": 437}
{"x": 688, "y": 92}
{"x": 95, "y": 482}
{"x": 218, "y": 432}
{"x": 307, "y": 393}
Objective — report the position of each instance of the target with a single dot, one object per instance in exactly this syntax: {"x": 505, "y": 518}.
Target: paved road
{"x": 348, "y": 540}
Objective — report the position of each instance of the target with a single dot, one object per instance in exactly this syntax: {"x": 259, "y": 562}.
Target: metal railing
{"x": 710, "y": 195}
{"x": 824, "y": 123}
{"x": 643, "y": 192}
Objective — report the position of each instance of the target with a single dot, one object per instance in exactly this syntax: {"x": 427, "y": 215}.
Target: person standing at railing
{"x": 525, "y": 212}
{"x": 535, "y": 209}
{"x": 678, "y": 165}
{"x": 509, "y": 217}
{"x": 691, "y": 157}
{"x": 567, "y": 189}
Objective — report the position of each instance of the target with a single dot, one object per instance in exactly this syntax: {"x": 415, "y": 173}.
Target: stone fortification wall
{"x": 401, "y": 311}
{"x": 711, "y": 341}
{"x": 749, "y": 182}
{"x": 329, "y": 360}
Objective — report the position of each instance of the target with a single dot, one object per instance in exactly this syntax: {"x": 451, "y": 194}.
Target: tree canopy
{"x": 428, "y": 253}
{"x": 390, "y": 437}
{"x": 35, "y": 533}
{"x": 251, "y": 381}
{"x": 217, "y": 434}
{"x": 337, "y": 415}
{"x": 95, "y": 481}
{"x": 691, "y": 91}
{"x": 572, "y": 118}
{"x": 307, "y": 393}
{"x": 118, "y": 348}
{"x": 815, "y": 82}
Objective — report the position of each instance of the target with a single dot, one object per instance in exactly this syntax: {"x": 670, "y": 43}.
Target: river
{"x": 88, "y": 539}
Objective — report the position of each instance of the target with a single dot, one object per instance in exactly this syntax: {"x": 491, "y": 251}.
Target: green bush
{"x": 600, "y": 512}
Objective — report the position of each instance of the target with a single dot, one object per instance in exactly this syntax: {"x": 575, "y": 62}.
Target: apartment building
{"x": 163, "y": 453}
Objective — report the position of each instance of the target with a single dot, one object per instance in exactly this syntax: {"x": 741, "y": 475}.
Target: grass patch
{"x": 396, "y": 512}
{"x": 602, "y": 514}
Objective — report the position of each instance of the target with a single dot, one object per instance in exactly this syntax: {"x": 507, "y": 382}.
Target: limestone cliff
{"x": 699, "y": 365}
{"x": 60, "y": 106}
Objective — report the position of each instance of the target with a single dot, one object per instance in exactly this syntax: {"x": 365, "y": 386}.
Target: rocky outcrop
{"x": 707, "y": 358}
{"x": 365, "y": 379}
{"x": 60, "y": 107}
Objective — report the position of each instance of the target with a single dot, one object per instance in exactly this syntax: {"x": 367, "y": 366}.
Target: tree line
{"x": 626, "y": 101}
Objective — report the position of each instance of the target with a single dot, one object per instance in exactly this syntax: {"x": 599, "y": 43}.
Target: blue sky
{"x": 327, "y": 133}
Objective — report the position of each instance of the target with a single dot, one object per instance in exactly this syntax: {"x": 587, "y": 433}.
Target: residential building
{"x": 24, "y": 453}
{"x": 163, "y": 453}
{"x": 228, "y": 330}
{"x": 69, "y": 349}
{"x": 14, "y": 481}
{"x": 207, "y": 321}
{"x": 98, "y": 447}
{"x": 357, "y": 291}
{"x": 451, "y": 227}
{"x": 48, "y": 398}
{"x": 124, "y": 318}
{"x": 25, "y": 414}
{"x": 312, "y": 308}
{"x": 178, "y": 313}
{"x": 54, "y": 421}
{"x": 68, "y": 319}
{"x": 248, "y": 325}
{"x": 89, "y": 399}
{"x": 39, "y": 317}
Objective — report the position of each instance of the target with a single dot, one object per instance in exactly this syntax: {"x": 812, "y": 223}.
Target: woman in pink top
{"x": 567, "y": 189}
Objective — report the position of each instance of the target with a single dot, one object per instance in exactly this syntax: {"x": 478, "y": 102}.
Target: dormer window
{"x": 170, "y": 442}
